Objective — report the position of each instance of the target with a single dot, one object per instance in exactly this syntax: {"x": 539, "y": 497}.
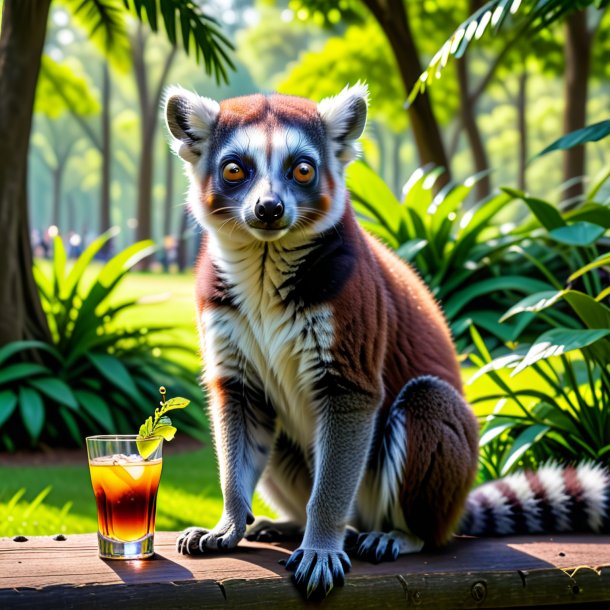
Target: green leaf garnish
{"x": 158, "y": 426}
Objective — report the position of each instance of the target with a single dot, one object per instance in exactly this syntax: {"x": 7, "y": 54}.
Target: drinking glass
{"x": 125, "y": 486}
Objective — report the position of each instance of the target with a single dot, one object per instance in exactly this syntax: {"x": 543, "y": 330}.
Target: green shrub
{"x": 564, "y": 413}
{"x": 96, "y": 376}
{"x": 458, "y": 250}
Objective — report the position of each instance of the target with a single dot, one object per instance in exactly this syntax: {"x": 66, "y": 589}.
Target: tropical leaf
{"x": 459, "y": 300}
{"x": 533, "y": 303}
{"x": 197, "y": 30}
{"x": 522, "y": 443}
{"x": 21, "y": 370}
{"x": 525, "y": 17}
{"x": 115, "y": 372}
{"x": 601, "y": 261}
{"x": 495, "y": 427}
{"x": 559, "y": 341}
{"x": 372, "y": 197}
{"x": 591, "y": 133}
{"x": 17, "y": 347}
{"x": 8, "y": 402}
{"x": 548, "y": 215}
{"x": 55, "y": 389}
{"x": 97, "y": 408}
{"x": 578, "y": 234}
{"x": 104, "y": 22}
{"x": 32, "y": 411}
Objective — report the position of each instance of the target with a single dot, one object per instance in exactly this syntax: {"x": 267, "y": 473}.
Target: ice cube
{"x": 135, "y": 472}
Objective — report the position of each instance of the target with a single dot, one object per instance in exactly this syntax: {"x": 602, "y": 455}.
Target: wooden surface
{"x": 469, "y": 573}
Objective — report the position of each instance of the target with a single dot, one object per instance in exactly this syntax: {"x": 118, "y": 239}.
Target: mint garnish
{"x": 159, "y": 425}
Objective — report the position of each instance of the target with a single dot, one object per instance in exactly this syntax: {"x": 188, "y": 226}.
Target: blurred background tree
{"x": 24, "y": 26}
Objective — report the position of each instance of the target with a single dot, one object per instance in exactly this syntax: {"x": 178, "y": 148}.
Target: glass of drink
{"x": 125, "y": 487}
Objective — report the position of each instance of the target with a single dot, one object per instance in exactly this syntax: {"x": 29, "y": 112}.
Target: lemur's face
{"x": 266, "y": 167}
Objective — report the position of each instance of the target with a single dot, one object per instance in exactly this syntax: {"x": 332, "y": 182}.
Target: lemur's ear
{"x": 345, "y": 117}
{"x": 189, "y": 119}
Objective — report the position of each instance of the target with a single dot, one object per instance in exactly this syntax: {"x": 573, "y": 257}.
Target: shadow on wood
{"x": 469, "y": 573}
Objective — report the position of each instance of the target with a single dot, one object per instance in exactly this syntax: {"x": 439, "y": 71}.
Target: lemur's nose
{"x": 269, "y": 208}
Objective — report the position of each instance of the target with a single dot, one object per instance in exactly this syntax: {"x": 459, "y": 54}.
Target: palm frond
{"x": 523, "y": 16}
{"x": 199, "y": 32}
{"x": 104, "y": 22}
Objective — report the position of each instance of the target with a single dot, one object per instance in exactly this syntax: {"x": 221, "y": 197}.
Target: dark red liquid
{"x": 126, "y": 498}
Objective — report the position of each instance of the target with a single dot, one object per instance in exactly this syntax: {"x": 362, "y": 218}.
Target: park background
{"x": 484, "y": 164}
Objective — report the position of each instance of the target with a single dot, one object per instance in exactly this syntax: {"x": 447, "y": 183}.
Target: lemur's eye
{"x": 232, "y": 172}
{"x": 303, "y": 173}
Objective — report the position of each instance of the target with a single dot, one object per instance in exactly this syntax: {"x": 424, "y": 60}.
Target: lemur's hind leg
{"x": 286, "y": 485}
{"x": 424, "y": 469}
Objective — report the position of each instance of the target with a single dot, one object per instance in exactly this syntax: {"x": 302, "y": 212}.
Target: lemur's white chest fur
{"x": 283, "y": 345}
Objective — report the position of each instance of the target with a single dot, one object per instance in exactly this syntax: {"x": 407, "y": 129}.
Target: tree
{"x": 373, "y": 62}
{"x": 149, "y": 98}
{"x": 394, "y": 19}
{"x": 24, "y": 24}
{"x": 62, "y": 95}
{"x": 527, "y": 18}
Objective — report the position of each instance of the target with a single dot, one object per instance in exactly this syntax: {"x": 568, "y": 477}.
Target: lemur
{"x": 332, "y": 379}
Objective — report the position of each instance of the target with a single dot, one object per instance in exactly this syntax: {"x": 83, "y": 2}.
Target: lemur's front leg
{"x": 341, "y": 449}
{"x": 243, "y": 426}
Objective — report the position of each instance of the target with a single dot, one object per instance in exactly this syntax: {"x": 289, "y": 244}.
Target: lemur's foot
{"x": 376, "y": 547}
{"x": 197, "y": 540}
{"x": 268, "y": 530}
{"x": 317, "y": 571}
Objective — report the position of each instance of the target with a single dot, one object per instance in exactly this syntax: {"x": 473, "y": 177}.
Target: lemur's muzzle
{"x": 269, "y": 208}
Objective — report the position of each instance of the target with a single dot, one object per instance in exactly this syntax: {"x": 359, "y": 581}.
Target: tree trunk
{"x": 145, "y": 179}
{"x": 393, "y": 18}
{"x": 105, "y": 220}
{"x": 149, "y": 107}
{"x": 57, "y": 175}
{"x": 469, "y": 122}
{"x": 24, "y": 24}
{"x": 522, "y": 127}
{"x": 577, "y": 63}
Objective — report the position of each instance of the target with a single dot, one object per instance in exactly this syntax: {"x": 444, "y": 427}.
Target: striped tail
{"x": 549, "y": 500}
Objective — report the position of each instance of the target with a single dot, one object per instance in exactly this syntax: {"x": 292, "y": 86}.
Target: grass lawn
{"x": 189, "y": 492}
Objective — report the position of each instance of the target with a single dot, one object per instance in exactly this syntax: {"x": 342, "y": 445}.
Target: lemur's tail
{"x": 548, "y": 500}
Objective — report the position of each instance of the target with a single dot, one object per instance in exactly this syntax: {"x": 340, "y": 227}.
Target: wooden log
{"x": 469, "y": 573}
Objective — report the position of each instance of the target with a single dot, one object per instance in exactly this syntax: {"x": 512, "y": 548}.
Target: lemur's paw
{"x": 317, "y": 571}
{"x": 197, "y": 540}
{"x": 376, "y": 547}
{"x": 268, "y": 530}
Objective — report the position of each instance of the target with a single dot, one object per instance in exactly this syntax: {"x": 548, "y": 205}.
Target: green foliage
{"x": 160, "y": 425}
{"x": 271, "y": 45}
{"x": 570, "y": 420}
{"x": 524, "y": 17}
{"x": 61, "y": 89}
{"x": 591, "y": 133}
{"x": 184, "y": 22}
{"x": 458, "y": 250}
{"x": 372, "y": 62}
{"x": 96, "y": 376}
